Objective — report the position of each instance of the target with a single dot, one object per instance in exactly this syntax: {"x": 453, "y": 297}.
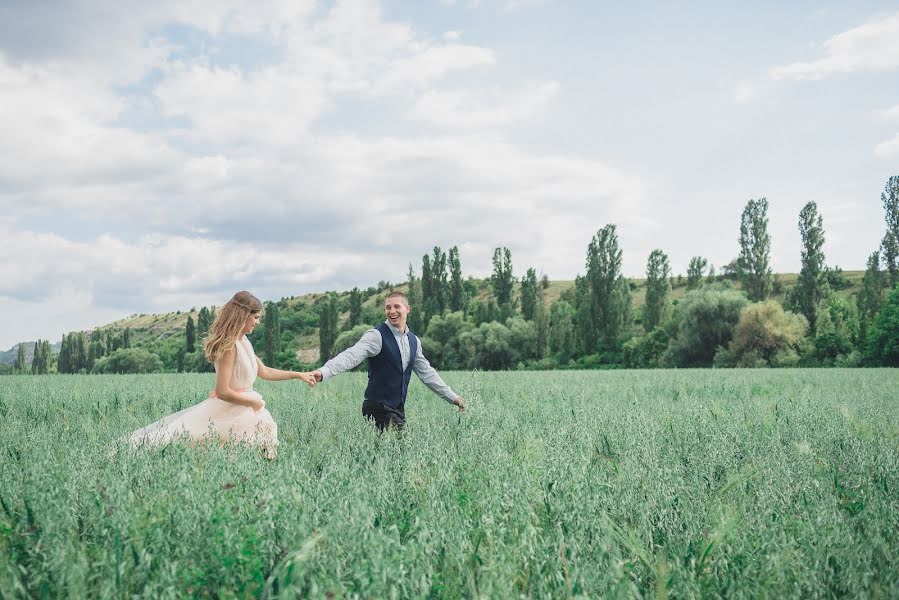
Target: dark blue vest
{"x": 387, "y": 382}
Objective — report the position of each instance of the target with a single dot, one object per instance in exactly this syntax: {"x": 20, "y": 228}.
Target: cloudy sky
{"x": 161, "y": 155}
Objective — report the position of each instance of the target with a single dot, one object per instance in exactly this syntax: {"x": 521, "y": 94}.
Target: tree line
{"x": 726, "y": 319}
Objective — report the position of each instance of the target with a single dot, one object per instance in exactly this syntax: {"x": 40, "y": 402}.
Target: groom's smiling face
{"x": 396, "y": 309}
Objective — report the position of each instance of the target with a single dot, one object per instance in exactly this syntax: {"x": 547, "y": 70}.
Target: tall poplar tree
{"x": 82, "y": 353}
{"x": 811, "y": 286}
{"x": 40, "y": 363}
{"x": 609, "y": 292}
{"x": 541, "y": 326}
{"x": 20, "y": 359}
{"x": 271, "y": 326}
{"x": 204, "y": 322}
{"x": 428, "y": 300}
{"x": 190, "y": 335}
{"x": 457, "y": 286}
{"x": 870, "y": 297}
{"x": 65, "y": 355}
{"x": 658, "y": 290}
{"x": 754, "y": 263}
{"x": 440, "y": 287}
{"x": 890, "y": 244}
{"x": 327, "y": 326}
{"x": 413, "y": 320}
{"x": 502, "y": 278}
{"x": 695, "y": 272}
{"x": 355, "y": 317}
{"x": 529, "y": 294}
{"x": 584, "y": 324}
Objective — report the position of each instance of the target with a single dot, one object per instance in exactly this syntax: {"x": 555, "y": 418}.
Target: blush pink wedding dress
{"x": 214, "y": 419}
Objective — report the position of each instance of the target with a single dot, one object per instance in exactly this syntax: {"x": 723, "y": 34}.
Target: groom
{"x": 393, "y": 352}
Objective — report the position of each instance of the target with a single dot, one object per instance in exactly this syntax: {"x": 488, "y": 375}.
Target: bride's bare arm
{"x": 272, "y": 374}
{"x": 223, "y": 384}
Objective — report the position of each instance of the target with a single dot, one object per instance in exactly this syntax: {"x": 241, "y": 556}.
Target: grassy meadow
{"x": 737, "y": 483}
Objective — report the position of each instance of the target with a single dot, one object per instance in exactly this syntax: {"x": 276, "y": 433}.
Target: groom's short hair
{"x": 397, "y": 293}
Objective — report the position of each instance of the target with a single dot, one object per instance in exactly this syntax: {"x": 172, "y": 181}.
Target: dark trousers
{"x": 384, "y": 416}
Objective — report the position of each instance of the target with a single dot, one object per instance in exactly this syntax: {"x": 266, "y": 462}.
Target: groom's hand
{"x": 317, "y": 375}
{"x": 460, "y": 403}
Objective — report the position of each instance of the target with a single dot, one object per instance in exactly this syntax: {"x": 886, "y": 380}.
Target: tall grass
{"x": 768, "y": 483}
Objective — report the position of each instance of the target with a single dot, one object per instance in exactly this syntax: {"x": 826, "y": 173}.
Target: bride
{"x": 233, "y": 410}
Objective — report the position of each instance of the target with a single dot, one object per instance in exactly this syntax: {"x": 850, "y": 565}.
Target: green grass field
{"x": 764, "y": 483}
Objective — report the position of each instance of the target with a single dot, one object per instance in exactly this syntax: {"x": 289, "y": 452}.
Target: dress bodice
{"x": 244, "y": 372}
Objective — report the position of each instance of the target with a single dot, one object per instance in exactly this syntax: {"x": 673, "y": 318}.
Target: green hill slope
{"x": 163, "y": 333}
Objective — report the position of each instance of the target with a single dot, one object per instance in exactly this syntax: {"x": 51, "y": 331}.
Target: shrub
{"x": 702, "y": 322}
{"x": 129, "y": 360}
{"x": 765, "y": 335}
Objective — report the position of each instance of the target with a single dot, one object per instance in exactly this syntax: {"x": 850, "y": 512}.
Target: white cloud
{"x": 67, "y": 310}
{"x": 873, "y": 46}
{"x": 235, "y": 182}
{"x": 508, "y": 5}
{"x": 480, "y": 110}
{"x": 58, "y": 144}
{"x": 156, "y": 270}
{"x": 433, "y": 63}
{"x": 272, "y": 105}
{"x": 890, "y": 114}
{"x": 887, "y": 148}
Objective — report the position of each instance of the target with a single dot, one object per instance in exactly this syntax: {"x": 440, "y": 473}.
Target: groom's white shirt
{"x": 370, "y": 345}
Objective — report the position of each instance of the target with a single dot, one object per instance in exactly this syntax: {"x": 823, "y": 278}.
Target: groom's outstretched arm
{"x": 431, "y": 378}
{"x": 369, "y": 345}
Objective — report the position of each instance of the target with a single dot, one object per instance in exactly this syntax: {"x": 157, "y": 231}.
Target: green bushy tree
{"x": 645, "y": 352}
{"x": 882, "y": 344}
{"x": 765, "y": 336}
{"x": 442, "y": 341}
{"x": 561, "y": 331}
{"x": 702, "y": 322}
{"x": 129, "y": 360}
{"x": 870, "y": 297}
{"x": 837, "y": 333}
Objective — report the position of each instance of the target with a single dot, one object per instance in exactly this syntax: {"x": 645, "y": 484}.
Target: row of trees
{"x": 465, "y": 323}
{"x": 595, "y": 323}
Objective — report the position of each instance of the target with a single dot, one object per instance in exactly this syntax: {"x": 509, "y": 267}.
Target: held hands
{"x": 460, "y": 402}
{"x": 308, "y": 378}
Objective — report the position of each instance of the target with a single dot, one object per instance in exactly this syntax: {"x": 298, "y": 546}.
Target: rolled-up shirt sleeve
{"x": 431, "y": 378}
{"x": 369, "y": 345}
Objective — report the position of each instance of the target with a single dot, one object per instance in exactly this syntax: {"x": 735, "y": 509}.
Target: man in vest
{"x": 393, "y": 353}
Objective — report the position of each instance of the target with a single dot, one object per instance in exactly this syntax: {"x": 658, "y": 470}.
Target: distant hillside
{"x": 152, "y": 330}
{"x": 9, "y": 357}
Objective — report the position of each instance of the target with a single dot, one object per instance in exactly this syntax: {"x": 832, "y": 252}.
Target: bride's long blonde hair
{"x": 228, "y": 324}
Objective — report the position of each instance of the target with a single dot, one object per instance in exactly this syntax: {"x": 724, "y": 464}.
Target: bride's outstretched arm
{"x": 223, "y": 389}
{"x": 273, "y": 374}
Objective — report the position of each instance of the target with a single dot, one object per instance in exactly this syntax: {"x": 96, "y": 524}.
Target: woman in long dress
{"x": 233, "y": 410}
